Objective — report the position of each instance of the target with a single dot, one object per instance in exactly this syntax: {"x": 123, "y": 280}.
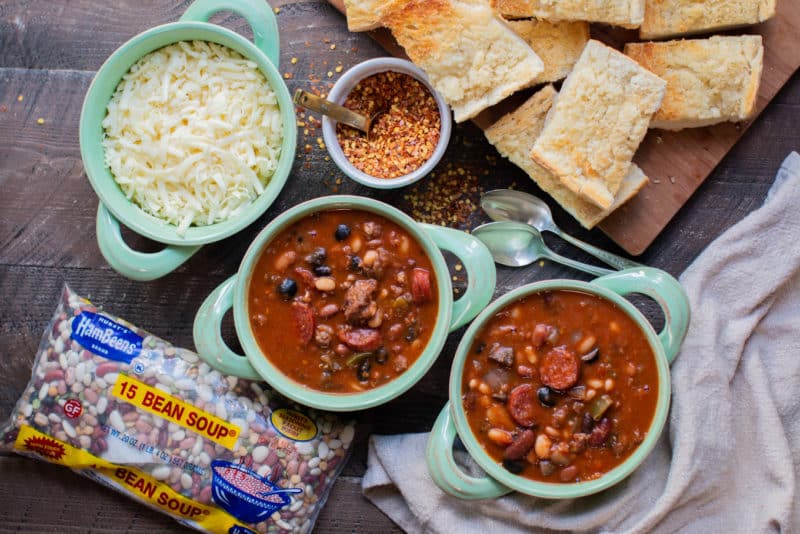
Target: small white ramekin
{"x": 342, "y": 88}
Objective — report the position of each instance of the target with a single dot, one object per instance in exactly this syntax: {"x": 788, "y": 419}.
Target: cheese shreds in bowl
{"x": 193, "y": 133}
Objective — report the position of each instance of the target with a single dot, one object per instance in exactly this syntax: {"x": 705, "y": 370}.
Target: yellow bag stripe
{"x": 131, "y": 479}
{"x": 173, "y": 409}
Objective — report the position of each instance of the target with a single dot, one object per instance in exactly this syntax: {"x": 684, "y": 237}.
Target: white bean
{"x": 347, "y": 434}
{"x": 260, "y": 454}
{"x": 116, "y": 421}
{"x": 161, "y": 472}
{"x": 69, "y": 429}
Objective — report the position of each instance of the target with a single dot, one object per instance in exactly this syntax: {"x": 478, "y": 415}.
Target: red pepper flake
{"x": 405, "y": 132}
{"x": 448, "y": 197}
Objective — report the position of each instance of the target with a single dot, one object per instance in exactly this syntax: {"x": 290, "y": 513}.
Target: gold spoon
{"x": 334, "y": 111}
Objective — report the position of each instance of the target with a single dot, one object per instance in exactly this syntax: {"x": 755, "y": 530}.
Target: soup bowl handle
{"x": 479, "y": 264}
{"x": 139, "y": 266}
{"x": 257, "y": 13}
{"x": 207, "y": 334}
{"x": 444, "y": 470}
{"x": 662, "y": 288}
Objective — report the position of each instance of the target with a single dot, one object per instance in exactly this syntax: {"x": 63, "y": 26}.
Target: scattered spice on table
{"x": 448, "y": 197}
{"x": 405, "y": 132}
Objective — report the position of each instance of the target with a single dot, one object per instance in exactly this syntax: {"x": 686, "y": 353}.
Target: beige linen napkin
{"x": 729, "y": 460}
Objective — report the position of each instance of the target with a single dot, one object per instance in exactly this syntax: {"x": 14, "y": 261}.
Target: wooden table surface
{"x": 49, "y": 51}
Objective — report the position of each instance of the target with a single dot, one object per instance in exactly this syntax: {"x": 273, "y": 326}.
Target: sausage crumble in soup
{"x": 343, "y": 301}
{"x": 560, "y": 386}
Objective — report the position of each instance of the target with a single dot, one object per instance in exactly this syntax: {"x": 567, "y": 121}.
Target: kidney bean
{"x": 587, "y": 423}
{"x": 600, "y": 432}
{"x": 539, "y": 335}
{"x": 106, "y": 367}
{"x": 568, "y": 473}
{"x": 522, "y": 443}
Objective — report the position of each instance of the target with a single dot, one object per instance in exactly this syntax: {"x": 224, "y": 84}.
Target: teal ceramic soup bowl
{"x": 114, "y": 206}
{"x": 233, "y": 293}
{"x": 452, "y": 421}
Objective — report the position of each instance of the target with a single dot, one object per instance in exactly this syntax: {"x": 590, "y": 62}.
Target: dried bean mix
{"x": 150, "y": 420}
{"x": 560, "y": 386}
{"x": 405, "y": 132}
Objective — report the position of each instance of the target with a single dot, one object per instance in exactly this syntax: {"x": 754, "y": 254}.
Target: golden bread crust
{"x": 597, "y": 123}
{"x": 558, "y": 44}
{"x": 624, "y": 13}
{"x": 708, "y": 80}
{"x": 514, "y": 134}
{"x": 670, "y": 18}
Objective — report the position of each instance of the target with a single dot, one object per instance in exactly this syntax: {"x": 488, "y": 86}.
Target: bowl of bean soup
{"x": 343, "y": 302}
{"x": 561, "y": 388}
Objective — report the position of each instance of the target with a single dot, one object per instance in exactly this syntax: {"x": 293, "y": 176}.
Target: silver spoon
{"x": 517, "y": 244}
{"x": 513, "y": 205}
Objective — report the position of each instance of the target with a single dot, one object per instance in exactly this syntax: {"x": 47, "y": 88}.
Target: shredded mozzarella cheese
{"x": 193, "y": 133}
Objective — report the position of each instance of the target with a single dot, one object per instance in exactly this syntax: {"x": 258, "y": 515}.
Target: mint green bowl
{"x": 662, "y": 287}
{"x": 114, "y": 206}
{"x": 254, "y": 365}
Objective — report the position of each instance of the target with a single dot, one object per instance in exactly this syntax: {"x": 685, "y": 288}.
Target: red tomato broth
{"x": 369, "y": 328}
{"x": 543, "y": 433}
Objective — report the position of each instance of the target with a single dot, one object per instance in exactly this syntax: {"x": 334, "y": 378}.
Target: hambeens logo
{"x": 105, "y": 337}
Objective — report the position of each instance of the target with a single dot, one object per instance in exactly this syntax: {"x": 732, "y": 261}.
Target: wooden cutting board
{"x": 676, "y": 162}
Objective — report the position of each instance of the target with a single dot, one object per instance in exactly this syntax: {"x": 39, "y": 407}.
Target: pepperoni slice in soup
{"x": 559, "y": 368}
{"x": 521, "y": 404}
{"x": 303, "y": 321}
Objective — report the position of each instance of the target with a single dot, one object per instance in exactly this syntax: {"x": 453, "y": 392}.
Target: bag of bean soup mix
{"x": 152, "y": 421}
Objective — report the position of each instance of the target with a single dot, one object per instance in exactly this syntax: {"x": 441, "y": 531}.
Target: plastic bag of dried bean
{"x": 152, "y": 421}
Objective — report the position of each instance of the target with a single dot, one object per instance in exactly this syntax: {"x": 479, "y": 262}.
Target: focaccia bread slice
{"x": 708, "y": 80}
{"x": 514, "y": 134}
{"x": 558, "y": 44}
{"x": 625, "y": 13}
{"x": 669, "y": 18}
{"x": 469, "y": 53}
{"x": 365, "y": 15}
{"x": 597, "y": 122}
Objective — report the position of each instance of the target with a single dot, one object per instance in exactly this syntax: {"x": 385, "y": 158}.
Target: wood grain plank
{"x": 43, "y": 497}
{"x": 80, "y": 35}
{"x": 676, "y": 162}
{"x": 47, "y": 231}
{"x": 42, "y": 175}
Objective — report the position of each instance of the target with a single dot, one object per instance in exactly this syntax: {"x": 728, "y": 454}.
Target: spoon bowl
{"x": 513, "y": 205}
{"x": 516, "y": 244}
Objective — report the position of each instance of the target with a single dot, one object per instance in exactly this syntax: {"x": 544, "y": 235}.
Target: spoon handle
{"x": 610, "y": 258}
{"x": 580, "y": 266}
{"x": 334, "y": 111}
